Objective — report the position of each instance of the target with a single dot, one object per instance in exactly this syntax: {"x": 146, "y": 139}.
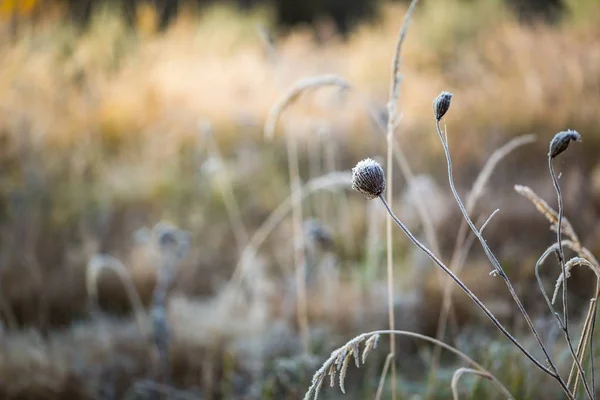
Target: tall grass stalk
{"x": 392, "y": 107}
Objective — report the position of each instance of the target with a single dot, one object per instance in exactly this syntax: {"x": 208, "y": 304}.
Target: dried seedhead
{"x": 338, "y": 362}
{"x": 368, "y": 178}
{"x": 441, "y": 104}
{"x": 560, "y": 142}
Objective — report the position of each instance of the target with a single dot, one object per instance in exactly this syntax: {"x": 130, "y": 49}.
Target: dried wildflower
{"x": 561, "y": 142}
{"x": 368, "y": 178}
{"x": 441, "y": 104}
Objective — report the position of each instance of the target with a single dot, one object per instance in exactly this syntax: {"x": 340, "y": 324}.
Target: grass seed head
{"x": 441, "y": 104}
{"x": 560, "y": 142}
{"x": 368, "y": 178}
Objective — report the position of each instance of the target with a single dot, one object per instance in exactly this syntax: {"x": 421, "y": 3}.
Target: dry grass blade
{"x": 334, "y": 180}
{"x": 573, "y": 262}
{"x": 459, "y": 373}
{"x": 547, "y": 211}
{"x": 342, "y": 355}
{"x": 95, "y": 266}
{"x": 294, "y": 92}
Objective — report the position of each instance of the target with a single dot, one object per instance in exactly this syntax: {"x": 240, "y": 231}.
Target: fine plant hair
{"x": 369, "y": 179}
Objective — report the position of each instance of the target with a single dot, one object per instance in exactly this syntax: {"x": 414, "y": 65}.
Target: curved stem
{"x": 475, "y": 299}
{"x": 494, "y": 260}
{"x": 561, "y": 259}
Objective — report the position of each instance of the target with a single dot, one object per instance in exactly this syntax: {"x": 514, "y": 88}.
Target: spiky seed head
{"x": 560, "y": 142}
{"x": 441, "y": 104}
{"x": 368, "y": 178}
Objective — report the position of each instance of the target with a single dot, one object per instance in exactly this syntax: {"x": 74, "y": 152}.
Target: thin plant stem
{"x": 476, "y": 300}
{"x": 299, "y": 259}
{"x": 493, "y": 259}
{"x": 392, "y": 110}
{"x": 461, "y": 247}
{"x": 232, "y": 208}
{"x": 561, "y": 259}
{"x": 561, "y": 254}
{"x": 592, "y": 347}
{"x": 386, "y": 366}
{"x": 389, "y": 250}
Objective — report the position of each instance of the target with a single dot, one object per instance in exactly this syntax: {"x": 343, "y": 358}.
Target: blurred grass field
{"x": 106, "y": 132}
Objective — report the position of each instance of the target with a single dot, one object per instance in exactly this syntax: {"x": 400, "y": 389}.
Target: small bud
{"x": 441, "y": 104}
{"x": 561, "y": 142}
{"x": 368, "y": 178}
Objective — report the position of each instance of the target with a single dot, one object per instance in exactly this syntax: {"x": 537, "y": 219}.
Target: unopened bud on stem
{"x": 561, "y": 142}
{"x": 368, "y": 178}
{"x": 441, "y": 104}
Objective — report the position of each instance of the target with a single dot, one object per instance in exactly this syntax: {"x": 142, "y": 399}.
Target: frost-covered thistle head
{"x": 560, "y": 142}
{"x": 441, "y": 104}
{"x": 368, "y": 178}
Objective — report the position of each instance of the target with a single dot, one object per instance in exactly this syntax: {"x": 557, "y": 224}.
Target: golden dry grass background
{"x": 107, "y": 131}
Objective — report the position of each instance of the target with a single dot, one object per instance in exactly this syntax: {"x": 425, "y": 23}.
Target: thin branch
{"x": 495, "y": 263}
{"x": 561, "y": 259}
{"x": 464, "y": 242}
{"x": 473, "y": 297}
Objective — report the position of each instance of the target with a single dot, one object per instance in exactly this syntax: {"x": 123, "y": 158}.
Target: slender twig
{"x": 494, "y": 261}
{"x": 463, "y": 241}
{"x": 475, "y": 299}
{"x": 561, "y": 259}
